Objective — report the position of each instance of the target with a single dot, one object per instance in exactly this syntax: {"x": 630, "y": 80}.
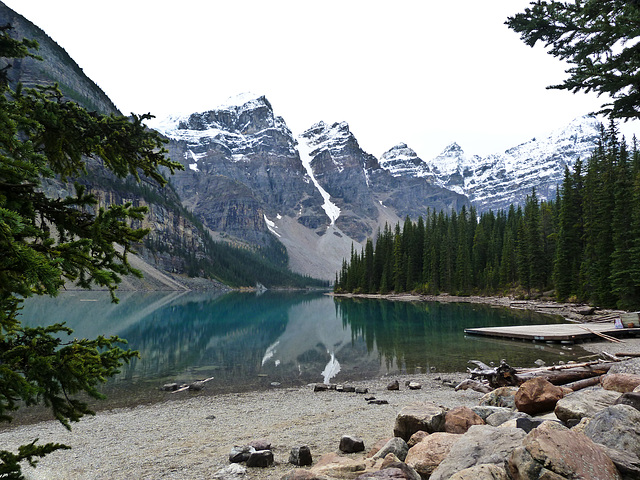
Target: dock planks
{"x": 560, "y": 332}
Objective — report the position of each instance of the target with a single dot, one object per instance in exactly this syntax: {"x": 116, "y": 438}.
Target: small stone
{"x": 231, "y": 472}
{"x": 320, "y": 387}
{"x": 169, "y": 387}
{"x": 362, "y": 390}
{"x": 395, "y": 385}
{"x": 378, "y": 402}
{"x": 260, "y": 458}
{"x": 350, "y": 444}
{"x": 301, "y": 456}
{"x": 275, "y": 384}
{"x": 368, "y": 399}
{"x": 261, "y": 444}
{"x": 241, "y": 454}
{"x": 414, "y": 386}
{"x": 348, "y": 388}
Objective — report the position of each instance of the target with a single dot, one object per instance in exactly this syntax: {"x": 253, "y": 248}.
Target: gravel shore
{"x": 191, "y": 438}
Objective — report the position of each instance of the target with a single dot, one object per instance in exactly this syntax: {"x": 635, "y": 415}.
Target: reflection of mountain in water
{"x": 414, "y": 336}
{"x": 183, "y": 336}
{"x": 247, "y": 341}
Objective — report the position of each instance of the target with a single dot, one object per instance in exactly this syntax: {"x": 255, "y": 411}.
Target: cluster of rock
{"x": 535, "y": 431}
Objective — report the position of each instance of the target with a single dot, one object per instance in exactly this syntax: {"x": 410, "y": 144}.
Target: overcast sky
{"x": 421, "y": 72}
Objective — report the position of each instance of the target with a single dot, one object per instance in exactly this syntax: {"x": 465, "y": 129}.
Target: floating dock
{"x": 555, "y": 333}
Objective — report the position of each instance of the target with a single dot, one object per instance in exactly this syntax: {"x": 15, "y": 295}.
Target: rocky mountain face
{"x": 248, "y": 178}
{"x": 496, "y": 181}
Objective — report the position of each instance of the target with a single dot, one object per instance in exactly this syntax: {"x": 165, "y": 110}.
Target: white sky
{"x": 421, "y": 72}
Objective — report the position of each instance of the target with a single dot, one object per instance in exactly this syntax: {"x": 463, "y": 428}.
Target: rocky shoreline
{"x": 193, "y": 438}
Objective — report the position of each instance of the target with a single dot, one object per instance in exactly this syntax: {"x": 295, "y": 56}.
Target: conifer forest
{"x": 584, "y": 245}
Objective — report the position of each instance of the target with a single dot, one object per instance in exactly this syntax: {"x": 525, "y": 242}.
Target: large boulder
{"x": 487, "y": 471}
{"x": 416, "y": 417}
{"x": 482, "y": 444}
{"x": 618, "y": 428}
{"x": 500, "y": 397}
{"x": 333, "y": 465}
{"x": 584, "y": 403}
{"x": 631, "y": 366}
{"x": 620, "y": 382}
{"x": 460, "y": 419}
{"x": 552, "y": 451}
{"x": 537, "y": 395}
{"x": 427, "y": 455}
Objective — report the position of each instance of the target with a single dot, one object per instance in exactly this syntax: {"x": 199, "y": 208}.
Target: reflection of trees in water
{"x": 421, "y": 335}
{"x": 228, "y": 334}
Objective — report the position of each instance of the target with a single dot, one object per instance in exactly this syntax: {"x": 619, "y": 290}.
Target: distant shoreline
{"x": 573, "y": 312}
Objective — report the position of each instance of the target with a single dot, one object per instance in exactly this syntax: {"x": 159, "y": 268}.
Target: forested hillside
{"x": 585, "y": 244}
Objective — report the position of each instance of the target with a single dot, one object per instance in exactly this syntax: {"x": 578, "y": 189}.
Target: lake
{"x": 251, "y": 341}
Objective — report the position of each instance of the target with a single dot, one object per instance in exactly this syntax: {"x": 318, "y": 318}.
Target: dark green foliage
{"x": 598, "y": 39}
{"x": 45, "y": 242}
{"x": 585, "y": 244}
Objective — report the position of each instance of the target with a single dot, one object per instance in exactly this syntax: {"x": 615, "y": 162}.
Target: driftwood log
{"x": 573, "y": 375}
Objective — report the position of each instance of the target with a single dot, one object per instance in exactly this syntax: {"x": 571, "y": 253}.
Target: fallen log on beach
{"x": 505, "y": 375}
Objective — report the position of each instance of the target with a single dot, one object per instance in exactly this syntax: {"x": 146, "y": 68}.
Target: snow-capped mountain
{"x": 498, "y": 180}
{"x": 249, "y": 179}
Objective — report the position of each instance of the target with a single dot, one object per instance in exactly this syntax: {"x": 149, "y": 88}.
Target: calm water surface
{"x": 248, "y": 341}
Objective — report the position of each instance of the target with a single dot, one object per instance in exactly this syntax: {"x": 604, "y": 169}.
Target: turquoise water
{"x": 249, "y": 341}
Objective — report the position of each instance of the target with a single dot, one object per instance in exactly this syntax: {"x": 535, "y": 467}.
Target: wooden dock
{"x": 555, "y": 333}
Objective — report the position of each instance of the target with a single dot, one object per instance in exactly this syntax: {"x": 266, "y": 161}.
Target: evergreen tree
{"x": 598, "y": 40}
{"x": 46, "y": 242}
{"x": 622, "y": 284}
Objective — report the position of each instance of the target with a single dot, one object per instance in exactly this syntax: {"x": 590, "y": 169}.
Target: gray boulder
{"x": 584, "y": 403}
{"x": 628, "y": 366}
{"x": 419, "y": 416}
{"x": 397, "y": 446}
{"x": 301, "y": 456}
{"x": 351, "y": 444}
{"x": 482, "y": 444}
{"x": 552, "y": 451}
{"x": 500, "y": 397}
{"x": 498, "y": 418}
{"x": 617, "y": 427}
{"x": 483, "y": 411}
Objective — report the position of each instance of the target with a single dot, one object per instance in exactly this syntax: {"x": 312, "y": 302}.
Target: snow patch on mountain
{"x": 330, "y": 208}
